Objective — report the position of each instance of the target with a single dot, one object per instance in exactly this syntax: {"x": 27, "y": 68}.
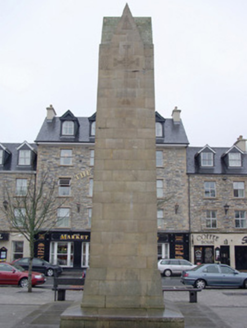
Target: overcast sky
{"x": 49, "y": 55}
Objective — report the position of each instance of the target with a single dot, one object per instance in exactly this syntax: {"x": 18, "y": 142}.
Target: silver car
{"x": 167, "y": 267}
{"x": 220, "y": 275}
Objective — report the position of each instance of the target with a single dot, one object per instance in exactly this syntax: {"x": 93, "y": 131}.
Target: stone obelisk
{"x": 123, "y": 282}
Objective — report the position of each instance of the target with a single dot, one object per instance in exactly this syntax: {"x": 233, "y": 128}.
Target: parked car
{"x": 221, "y": 275}
{"x": 13, "y": 274}
{"x": 167, "y": 267}
{"x": 39, "y": 265}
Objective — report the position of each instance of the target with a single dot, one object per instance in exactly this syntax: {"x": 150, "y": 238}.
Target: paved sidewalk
{"x": 221, "y": 308}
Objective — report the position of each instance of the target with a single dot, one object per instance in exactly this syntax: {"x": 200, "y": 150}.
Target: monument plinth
{"x": 123, "y": 286}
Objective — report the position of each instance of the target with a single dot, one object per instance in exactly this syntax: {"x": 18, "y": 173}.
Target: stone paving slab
{"x": 215, "y": 308}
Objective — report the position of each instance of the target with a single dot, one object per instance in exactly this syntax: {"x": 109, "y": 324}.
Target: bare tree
{"x": 33, "y": 210}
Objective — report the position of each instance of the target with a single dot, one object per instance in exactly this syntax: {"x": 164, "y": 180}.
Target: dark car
{"x": 39, "y": 265}
{"x": 220, "y": 275}
{"x": 13, "y": 274}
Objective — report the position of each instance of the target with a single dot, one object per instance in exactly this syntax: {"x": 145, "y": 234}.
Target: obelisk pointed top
{"x": 126, "y": 10}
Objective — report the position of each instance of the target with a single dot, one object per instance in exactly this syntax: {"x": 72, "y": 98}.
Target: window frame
{"x": 90, "y": 192}
{"x": 21, "y": 190}
{"x": 91, "y": 161}
{"x": 240, "y": 219}
{"x": 15, "y": 252}
{"x": 64, "y": 157}
{"x": 1, "y": 156}
{"x": 63, "y": 221}
{"x": 68, "y": 128}
{"x": 159, "y": 189}
{"x": 63, "y": 187}
{"x": 209, "y": 192}
{"x": 207, "y": 162}
{"x": 159, "y": 130}
{"x": 237, "y": 191}
{"x": 93, "y": 129}
{"x": 21, "y": 214}
{"x": 23, "y": 159}
{"x": 159, "y": 158}
{"x": 211, "y": 218}
{"x": 234, "y": 162}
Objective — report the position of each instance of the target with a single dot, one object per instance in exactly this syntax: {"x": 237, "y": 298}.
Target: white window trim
{"x": 21, "y": 187}
{"x": 66, "y": 157}
{"x": 68, "y": 128}
{"x": 159, "y": 188}
{"x": 93, "y": 128}
{"x": 234, "y": 162}
{"x": 210, "y": 219}
{"x": 62, "y": 188}
{"x": 159, "y": 158}
{"x": 209, "y": 189}
{"x": 24, "y": 157}
{"x": 92, "y": 157}
{"x": 63, "y": 221}
{"x": 85, "y": 250}
{"x": 90, "y": 187}
{"x": 241, "y": 219}
{"x": 236, "y": 187}
{"x": 1, "y": 156}
{"x": 158, "y": 129}
{"x": 208, "y": 159}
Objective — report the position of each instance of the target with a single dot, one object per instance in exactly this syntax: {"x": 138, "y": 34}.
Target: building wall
{"x": 80, "y": 172}
{"x": 199, "y": 204}
{"x": 175, "y": 184}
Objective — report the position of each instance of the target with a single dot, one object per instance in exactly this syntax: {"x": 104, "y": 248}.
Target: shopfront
{"x": 230, "y": 249}
{"x": 68, "y": 249}
{"x": 173, "y": 245}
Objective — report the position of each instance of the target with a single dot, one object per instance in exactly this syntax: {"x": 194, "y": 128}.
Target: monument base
{"x": 76, "y": 317}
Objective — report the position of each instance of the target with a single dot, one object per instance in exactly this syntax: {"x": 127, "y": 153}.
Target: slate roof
{"x": 12, "y": 161}
{"x": 174, "y": 133}
{"x": 219, "y": 167}
{"x": 50, "y": 131}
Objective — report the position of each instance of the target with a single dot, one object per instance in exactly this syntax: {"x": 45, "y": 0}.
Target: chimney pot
{"x": 50, "y": 113}
{"x": 176, "y": 115}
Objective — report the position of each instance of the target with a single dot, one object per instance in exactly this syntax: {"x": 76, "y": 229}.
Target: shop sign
{"x": 70, "y": 236}
{"x": 179, "y": 247}
{"x": 41, "y": 250}
{"x": 207, "y": 239}
{"x": 4, "y": 236}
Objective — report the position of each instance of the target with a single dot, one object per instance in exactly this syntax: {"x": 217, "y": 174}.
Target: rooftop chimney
{"x": 50, "y": 113}
{"x": 176, "y": 115}
{"x": 241, "y": 143}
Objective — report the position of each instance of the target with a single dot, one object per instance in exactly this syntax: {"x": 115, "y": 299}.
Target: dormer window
{"x": 68, "y": 128}
{"x": 69, "y": 125}
{"x": 1, "y": 157}
{"x": 24, "y": 157}
{"x": 207, "y": 159}
{"x": 159, "y": 129}
{"x": 92, "y": 132}
{"x": 234, "y": 159}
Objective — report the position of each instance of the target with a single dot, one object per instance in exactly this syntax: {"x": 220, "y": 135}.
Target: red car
{"x": 13, "y": 274}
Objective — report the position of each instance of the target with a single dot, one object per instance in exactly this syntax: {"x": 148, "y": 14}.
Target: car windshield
{"x": 18, "y": 267}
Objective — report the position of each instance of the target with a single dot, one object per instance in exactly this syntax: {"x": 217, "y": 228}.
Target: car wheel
{"x": 245, "y": 284}
{"x": 23, "y": 282}
{"x": 200, "y": 284}
{"x": 50, "y": 272}
{"x": 167, "y": 273}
